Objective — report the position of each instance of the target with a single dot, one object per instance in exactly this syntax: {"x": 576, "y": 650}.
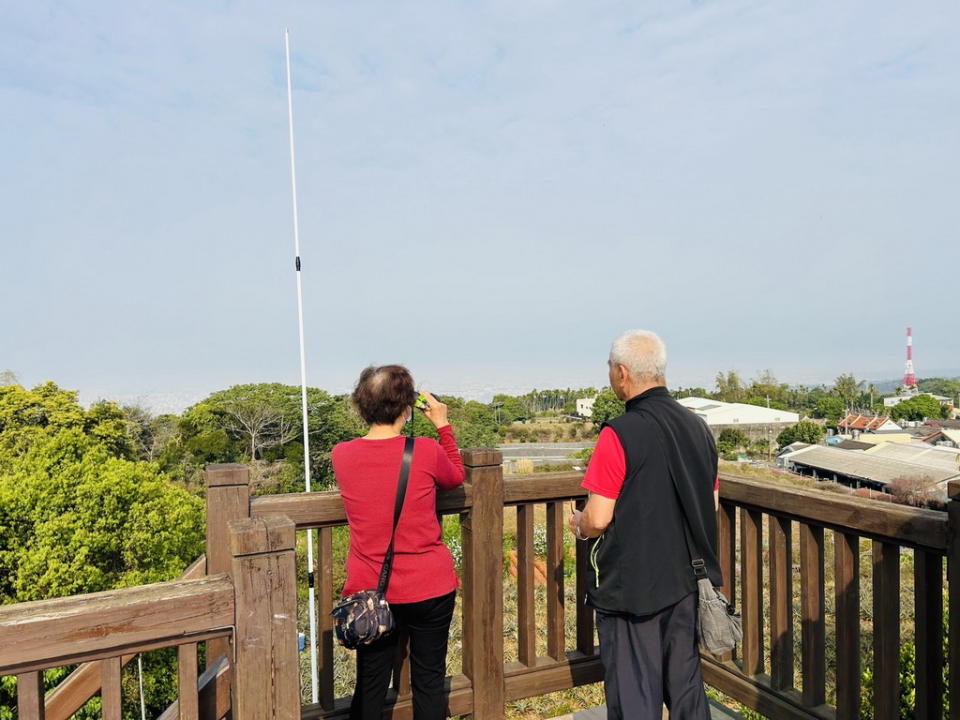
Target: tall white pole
{"x": 311, "y": 599}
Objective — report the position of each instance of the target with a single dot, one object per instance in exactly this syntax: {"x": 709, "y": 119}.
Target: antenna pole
{"x": 311, "y": 593}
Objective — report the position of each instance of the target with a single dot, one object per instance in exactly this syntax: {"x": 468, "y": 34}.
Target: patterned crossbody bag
{"x": 365, "y": 617}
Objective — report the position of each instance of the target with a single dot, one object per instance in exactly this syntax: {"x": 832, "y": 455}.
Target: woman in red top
{"x": 423, "y": 581}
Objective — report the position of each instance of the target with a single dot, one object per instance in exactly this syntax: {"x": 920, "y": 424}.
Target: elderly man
{"x": 653, "y": 494}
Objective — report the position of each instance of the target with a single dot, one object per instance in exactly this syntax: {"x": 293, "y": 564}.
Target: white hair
{"x": 642, "y": 353}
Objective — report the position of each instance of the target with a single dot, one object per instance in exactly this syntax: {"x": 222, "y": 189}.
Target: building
{"x": 754, "y": 421}
{"x": 585, "y": 407}
{"x": 856, "y": 424}
{"x": 862, "y": 468}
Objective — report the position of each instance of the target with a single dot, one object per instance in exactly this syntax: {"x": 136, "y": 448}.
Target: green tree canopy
{"x": 606, "y": 407}
{"x": 831, "y": 409}
{"x": 920, "y": 407}
{"x": 803, "y": 431}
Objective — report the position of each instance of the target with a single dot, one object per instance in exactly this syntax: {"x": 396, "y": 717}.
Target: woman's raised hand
{"x": 435, "y": 411}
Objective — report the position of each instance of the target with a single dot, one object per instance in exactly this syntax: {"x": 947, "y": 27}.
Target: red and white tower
{"x": 909, "y": 376}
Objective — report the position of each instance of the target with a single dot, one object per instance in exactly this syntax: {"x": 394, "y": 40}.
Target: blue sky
{"x": 489, "y": 191}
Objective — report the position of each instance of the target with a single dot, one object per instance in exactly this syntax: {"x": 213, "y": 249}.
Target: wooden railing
{"x": 246, "y": 609}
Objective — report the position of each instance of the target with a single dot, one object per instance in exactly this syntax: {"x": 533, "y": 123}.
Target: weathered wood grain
{"x": 266, "y": 668}
{"x": 886, "y": 631}
{"x": 752, "y": 591}
{"x": 187, "y": 698}
{"x": 555, "y": 594}
{"x": 846, "y": 573}
{"x": 928, "y": 623}
{"x": 781, "y": 602}
{"x": 111, "y": 693}
{"x": 482, "y": 534}
{"x": 30, "y": 696}
{"x": 526, "y": 611}
{"x": 49, "y": 633}
{"x": 812, "y": 621}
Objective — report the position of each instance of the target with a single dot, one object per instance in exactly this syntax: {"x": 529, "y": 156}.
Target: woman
{"x": 423, "y": 581}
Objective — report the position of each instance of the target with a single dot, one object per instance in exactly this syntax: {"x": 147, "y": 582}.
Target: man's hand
{"x": 574, "y": 523}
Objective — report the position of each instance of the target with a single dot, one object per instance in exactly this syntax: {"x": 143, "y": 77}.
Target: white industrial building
{"x": 716, "y": 412}
{"x": 585, "y": 407}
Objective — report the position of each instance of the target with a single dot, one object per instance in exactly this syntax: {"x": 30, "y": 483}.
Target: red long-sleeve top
{"x": 367, "y": 472}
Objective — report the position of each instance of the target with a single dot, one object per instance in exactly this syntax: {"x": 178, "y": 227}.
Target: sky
{"x": 489, "y": 192}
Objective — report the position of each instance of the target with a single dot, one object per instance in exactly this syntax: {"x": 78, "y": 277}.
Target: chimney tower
{"x": 909, "y": 376}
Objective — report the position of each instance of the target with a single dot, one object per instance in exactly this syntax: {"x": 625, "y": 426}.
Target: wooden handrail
{"x": 914, "y": 527}
{"x": 75, "y": 690}
{"x": 47, "y": 633}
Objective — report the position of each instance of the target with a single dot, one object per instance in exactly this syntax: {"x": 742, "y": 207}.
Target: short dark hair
{"x": 383, "y": 393}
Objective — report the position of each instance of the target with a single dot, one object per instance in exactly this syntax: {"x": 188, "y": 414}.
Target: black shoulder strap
{"x": 696, "y": 559}
{"x": 397, "y": 507}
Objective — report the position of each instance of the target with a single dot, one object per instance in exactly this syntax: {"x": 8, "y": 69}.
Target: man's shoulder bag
{"x": 719, "y": 626}
{"x": 365, "y": 617}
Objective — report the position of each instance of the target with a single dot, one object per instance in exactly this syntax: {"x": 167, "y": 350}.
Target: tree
{"x": 803, "y": 431}
{"x": 729, "y": 387}
{"x": 606, "y": 407}
{"x": 847, "y": 387}
{"x": 733, "y": 437}
{"x": 8, "y": 377}
{"x": 831, "y": 409}
{"x": 920, "y": 407}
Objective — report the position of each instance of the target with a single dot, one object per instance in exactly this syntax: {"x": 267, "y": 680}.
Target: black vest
{"x": 641, "y": 564}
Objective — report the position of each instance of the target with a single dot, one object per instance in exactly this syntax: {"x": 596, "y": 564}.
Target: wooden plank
{"x": 50, "y": 633}
{"x": 213, "y": 693}
{"x": 585, "y": 618}
{"x": 30, "y": 704}
{"x": 886, "y": 631}
{"x": 73, "y": 692}
{"x": 187, "y": 698}
{"x": 111, "y": 673}
{"x": 812, "y": 621}
{"x": 551, "y": 676}
{"x": 482, "y": 532}
{"x": 228, "y": 498}
{"x": 885, "y": 521}
{"x": 266, "y": 669}
{"x": 543, "y": 487}
{"x": 953, "y": 580}
{"x": 556, "y": 641}
{"x": 459, "y": 702}
{"x": 781, "y": 602}
{"x": 727, "y": 549}
{"x": 756, "y": 693}
{"x": 846, "y": 573}
{"x": 526, "y": 611}
{"x": 323, "y": 574}
{"x": 928, "y": 619}
{"x": 325, "y": 509}
{"x": 752, "y": 587}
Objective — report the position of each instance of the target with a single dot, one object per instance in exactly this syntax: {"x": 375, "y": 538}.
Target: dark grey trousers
{"x": 652, "y": 660}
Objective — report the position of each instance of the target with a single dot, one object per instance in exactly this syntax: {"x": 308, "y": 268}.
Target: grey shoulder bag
{"x": 719, "y": 626}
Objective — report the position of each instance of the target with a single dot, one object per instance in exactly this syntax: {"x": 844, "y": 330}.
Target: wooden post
{"x": 266, "y": 671}
{"x": 482, "y": 534}
{"x": 953, "y": 580}
{"x": 228, "y": 498}
{"x": 30, "y": 696}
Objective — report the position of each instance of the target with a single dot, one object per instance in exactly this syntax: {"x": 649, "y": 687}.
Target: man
{"x": 647, "y": 462}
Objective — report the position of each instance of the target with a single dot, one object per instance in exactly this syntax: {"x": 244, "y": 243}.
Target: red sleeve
{"x": 608, "y": 467}
{"x": 449, "y": 463}
{"x": 716, "y": 484}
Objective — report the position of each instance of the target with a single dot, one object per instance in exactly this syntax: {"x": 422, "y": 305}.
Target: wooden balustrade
{"x": 768, "y": 535}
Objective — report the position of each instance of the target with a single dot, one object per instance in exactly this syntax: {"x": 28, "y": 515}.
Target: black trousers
{"x": 652, "y": 660}
{"x": 428, "y": 625}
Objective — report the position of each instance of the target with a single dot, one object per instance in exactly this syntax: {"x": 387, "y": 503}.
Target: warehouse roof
{"x": 864, "y": 466}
